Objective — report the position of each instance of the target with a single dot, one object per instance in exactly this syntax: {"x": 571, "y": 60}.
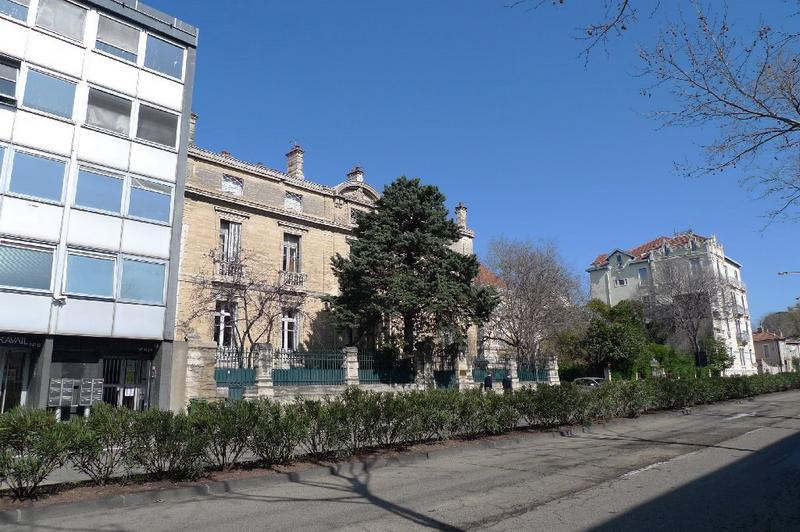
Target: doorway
{"x": 12, "y": 378}
{"x": 125, "y": 382}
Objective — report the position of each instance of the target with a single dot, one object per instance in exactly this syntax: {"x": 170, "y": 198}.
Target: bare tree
{"x": 539, "y": 298}
{"x": 253, "y": 296}
{"x": 745, "y": 87}
{"x": 683, "y": 298}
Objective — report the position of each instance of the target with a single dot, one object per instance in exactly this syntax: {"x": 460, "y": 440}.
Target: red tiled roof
{"x": 640, "y": 252}
{"x": 488, "y": 277}
{"x": 765, "y": 336}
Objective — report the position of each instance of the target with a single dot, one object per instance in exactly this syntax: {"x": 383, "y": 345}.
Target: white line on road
{"x": 643, "y": 469}
{"x": 737, "y": 416}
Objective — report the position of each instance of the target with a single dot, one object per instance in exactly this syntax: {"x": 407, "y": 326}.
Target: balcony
{"x": 743, "y": 338}
{"x": 229, "y": 268}
{"x": 293, "y": 279}
{"x": 736, "y": 283}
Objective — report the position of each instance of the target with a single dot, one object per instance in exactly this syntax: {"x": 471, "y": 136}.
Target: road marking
{"x": 737, "y": 416}
{"x": 630, "y": 474}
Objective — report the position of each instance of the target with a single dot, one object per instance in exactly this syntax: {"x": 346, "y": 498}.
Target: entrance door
{"x": 125, "y": 382}
{"x": 12, "y": 365}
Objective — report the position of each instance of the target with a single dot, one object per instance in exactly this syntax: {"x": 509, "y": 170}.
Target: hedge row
{"x": 111, "y": 442}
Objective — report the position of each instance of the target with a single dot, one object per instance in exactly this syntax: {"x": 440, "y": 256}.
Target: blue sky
{"x": 491, "y": 104}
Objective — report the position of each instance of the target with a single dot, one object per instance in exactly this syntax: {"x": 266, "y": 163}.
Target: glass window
{"x": 90, "y": 276}
{"x": 49, "y": 94}
{"x": 99, "y": 191}
{"x": 117, "y": 38}
{"x": 25, "y": 267}
{"x": 9, "y": 70}
{"x": 36, "y": 176}
{"x": 289, "y": 330}
{"x": 230, "y": 237}
{"x": 291, "y": 253}
{"x": 2, "y": 158}
{"x": 150, "y": 200}
{"x": 17, "y": 9}
{"x": 164, "y": 57}
{"x": 143, "y": 281}
{"x": 157, "y": 126}
{"x": 109, "y": 112}
{"x": 224, "y": 324}
{"x": 62, "y": 17}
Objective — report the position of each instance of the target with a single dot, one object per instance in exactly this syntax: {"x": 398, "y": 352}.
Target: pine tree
{"x": 401, "y": 275}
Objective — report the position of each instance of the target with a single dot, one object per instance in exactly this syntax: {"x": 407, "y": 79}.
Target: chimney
{"x": 461, "y": 215}
{"x": 356, "y": 174}
{"x": 294, "y": 160}
{"x": 192, "y": 127}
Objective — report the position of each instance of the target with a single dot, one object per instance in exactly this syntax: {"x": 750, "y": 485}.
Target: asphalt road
{"x": 725, "y": 467}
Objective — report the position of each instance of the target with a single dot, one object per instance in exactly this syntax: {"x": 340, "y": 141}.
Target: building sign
{"x": 20, "y": 341}
{"x": 75, "y": 392}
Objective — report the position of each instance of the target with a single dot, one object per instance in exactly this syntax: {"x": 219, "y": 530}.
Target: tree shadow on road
{"x": 758, "y": 492}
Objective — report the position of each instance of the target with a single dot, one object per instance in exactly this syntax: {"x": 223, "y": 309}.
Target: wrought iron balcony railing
{"x": 294, "y": 279}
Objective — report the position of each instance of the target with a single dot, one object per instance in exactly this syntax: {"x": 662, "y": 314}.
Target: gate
{"x": 234, "y": 370}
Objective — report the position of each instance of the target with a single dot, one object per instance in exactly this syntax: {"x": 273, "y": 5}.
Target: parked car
{"x": 588, "y": 383}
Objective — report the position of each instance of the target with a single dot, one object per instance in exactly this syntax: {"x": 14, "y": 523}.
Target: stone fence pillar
{"x": 200, "y": 365}
{"x": 464, "y": 378}
{"x": 513, "y": 371}
{"x": 552, "y": 370}
{"x": 351, "y": 366}
{"x": 264, "y": 363}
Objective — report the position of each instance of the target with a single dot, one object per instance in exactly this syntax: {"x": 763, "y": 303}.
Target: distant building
{"x": 94, "y": 121}
{"x": 775, "y": 353}
{"x": 625, "y": 274}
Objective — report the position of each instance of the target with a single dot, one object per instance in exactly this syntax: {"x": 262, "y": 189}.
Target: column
{"x": 552, "y": 370}
{"x": 264, "y": 365}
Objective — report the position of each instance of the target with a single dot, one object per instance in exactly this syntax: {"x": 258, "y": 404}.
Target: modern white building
{"x": 623, "y": 274}
{"x": 95, "y": 99}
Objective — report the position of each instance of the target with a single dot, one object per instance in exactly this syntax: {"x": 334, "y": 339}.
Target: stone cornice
{"x": 240, "y": 204}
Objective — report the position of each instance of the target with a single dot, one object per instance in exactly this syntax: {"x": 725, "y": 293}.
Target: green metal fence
{"x": 377, "y": 371}
{"x": 528, "y": 374}
{"x": 308, "y": 369}
{"x": 479, "y": 374}
{"x": 233, "y": 368}
{"x": 445, "y": 378}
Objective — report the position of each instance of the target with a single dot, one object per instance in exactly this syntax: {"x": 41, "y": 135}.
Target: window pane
{"x": 157, "y": 126}
{"x": 2, "y": 158}
{"x": 37, "y": 176}
{"x": 99, "y": 191}
{"x": 109, "y": 112}
{"x": 150, "y": 200}
{"x": 25, "y": 267}
{"x": 117, "y": 38}
{"x": 8, "y": 79}
{"x": 49, "y": 94}
{"x": 17, "y": 9}
{"x": 62, "y": 17}
{"x": 90, "y": 276}
{"x": 164, "y": 57}
{"x": 143, "y": 281}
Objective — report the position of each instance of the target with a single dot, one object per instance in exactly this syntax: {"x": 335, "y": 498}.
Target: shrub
{"x": 357, "y": 413}
{"x": 393, "y": 418}
{"x": 278, "y": 431}
{"x": 102, "y": 444}
{"x": 32, "y": 445}
{"x": 167, "y": 445}
{"x": 326, "y": 434}
{"x": 226, "y": 426}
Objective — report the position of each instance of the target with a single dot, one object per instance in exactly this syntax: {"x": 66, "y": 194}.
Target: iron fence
{"x": 479, "y": 374}
{"x": 375, "y": 371}
{"x": 533, "y": 374}
{"x": 294, "y": 368}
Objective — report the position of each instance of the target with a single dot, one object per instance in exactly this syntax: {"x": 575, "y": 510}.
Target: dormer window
{"x": 619, "y": 261}
{"x": 666, "y": 250}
